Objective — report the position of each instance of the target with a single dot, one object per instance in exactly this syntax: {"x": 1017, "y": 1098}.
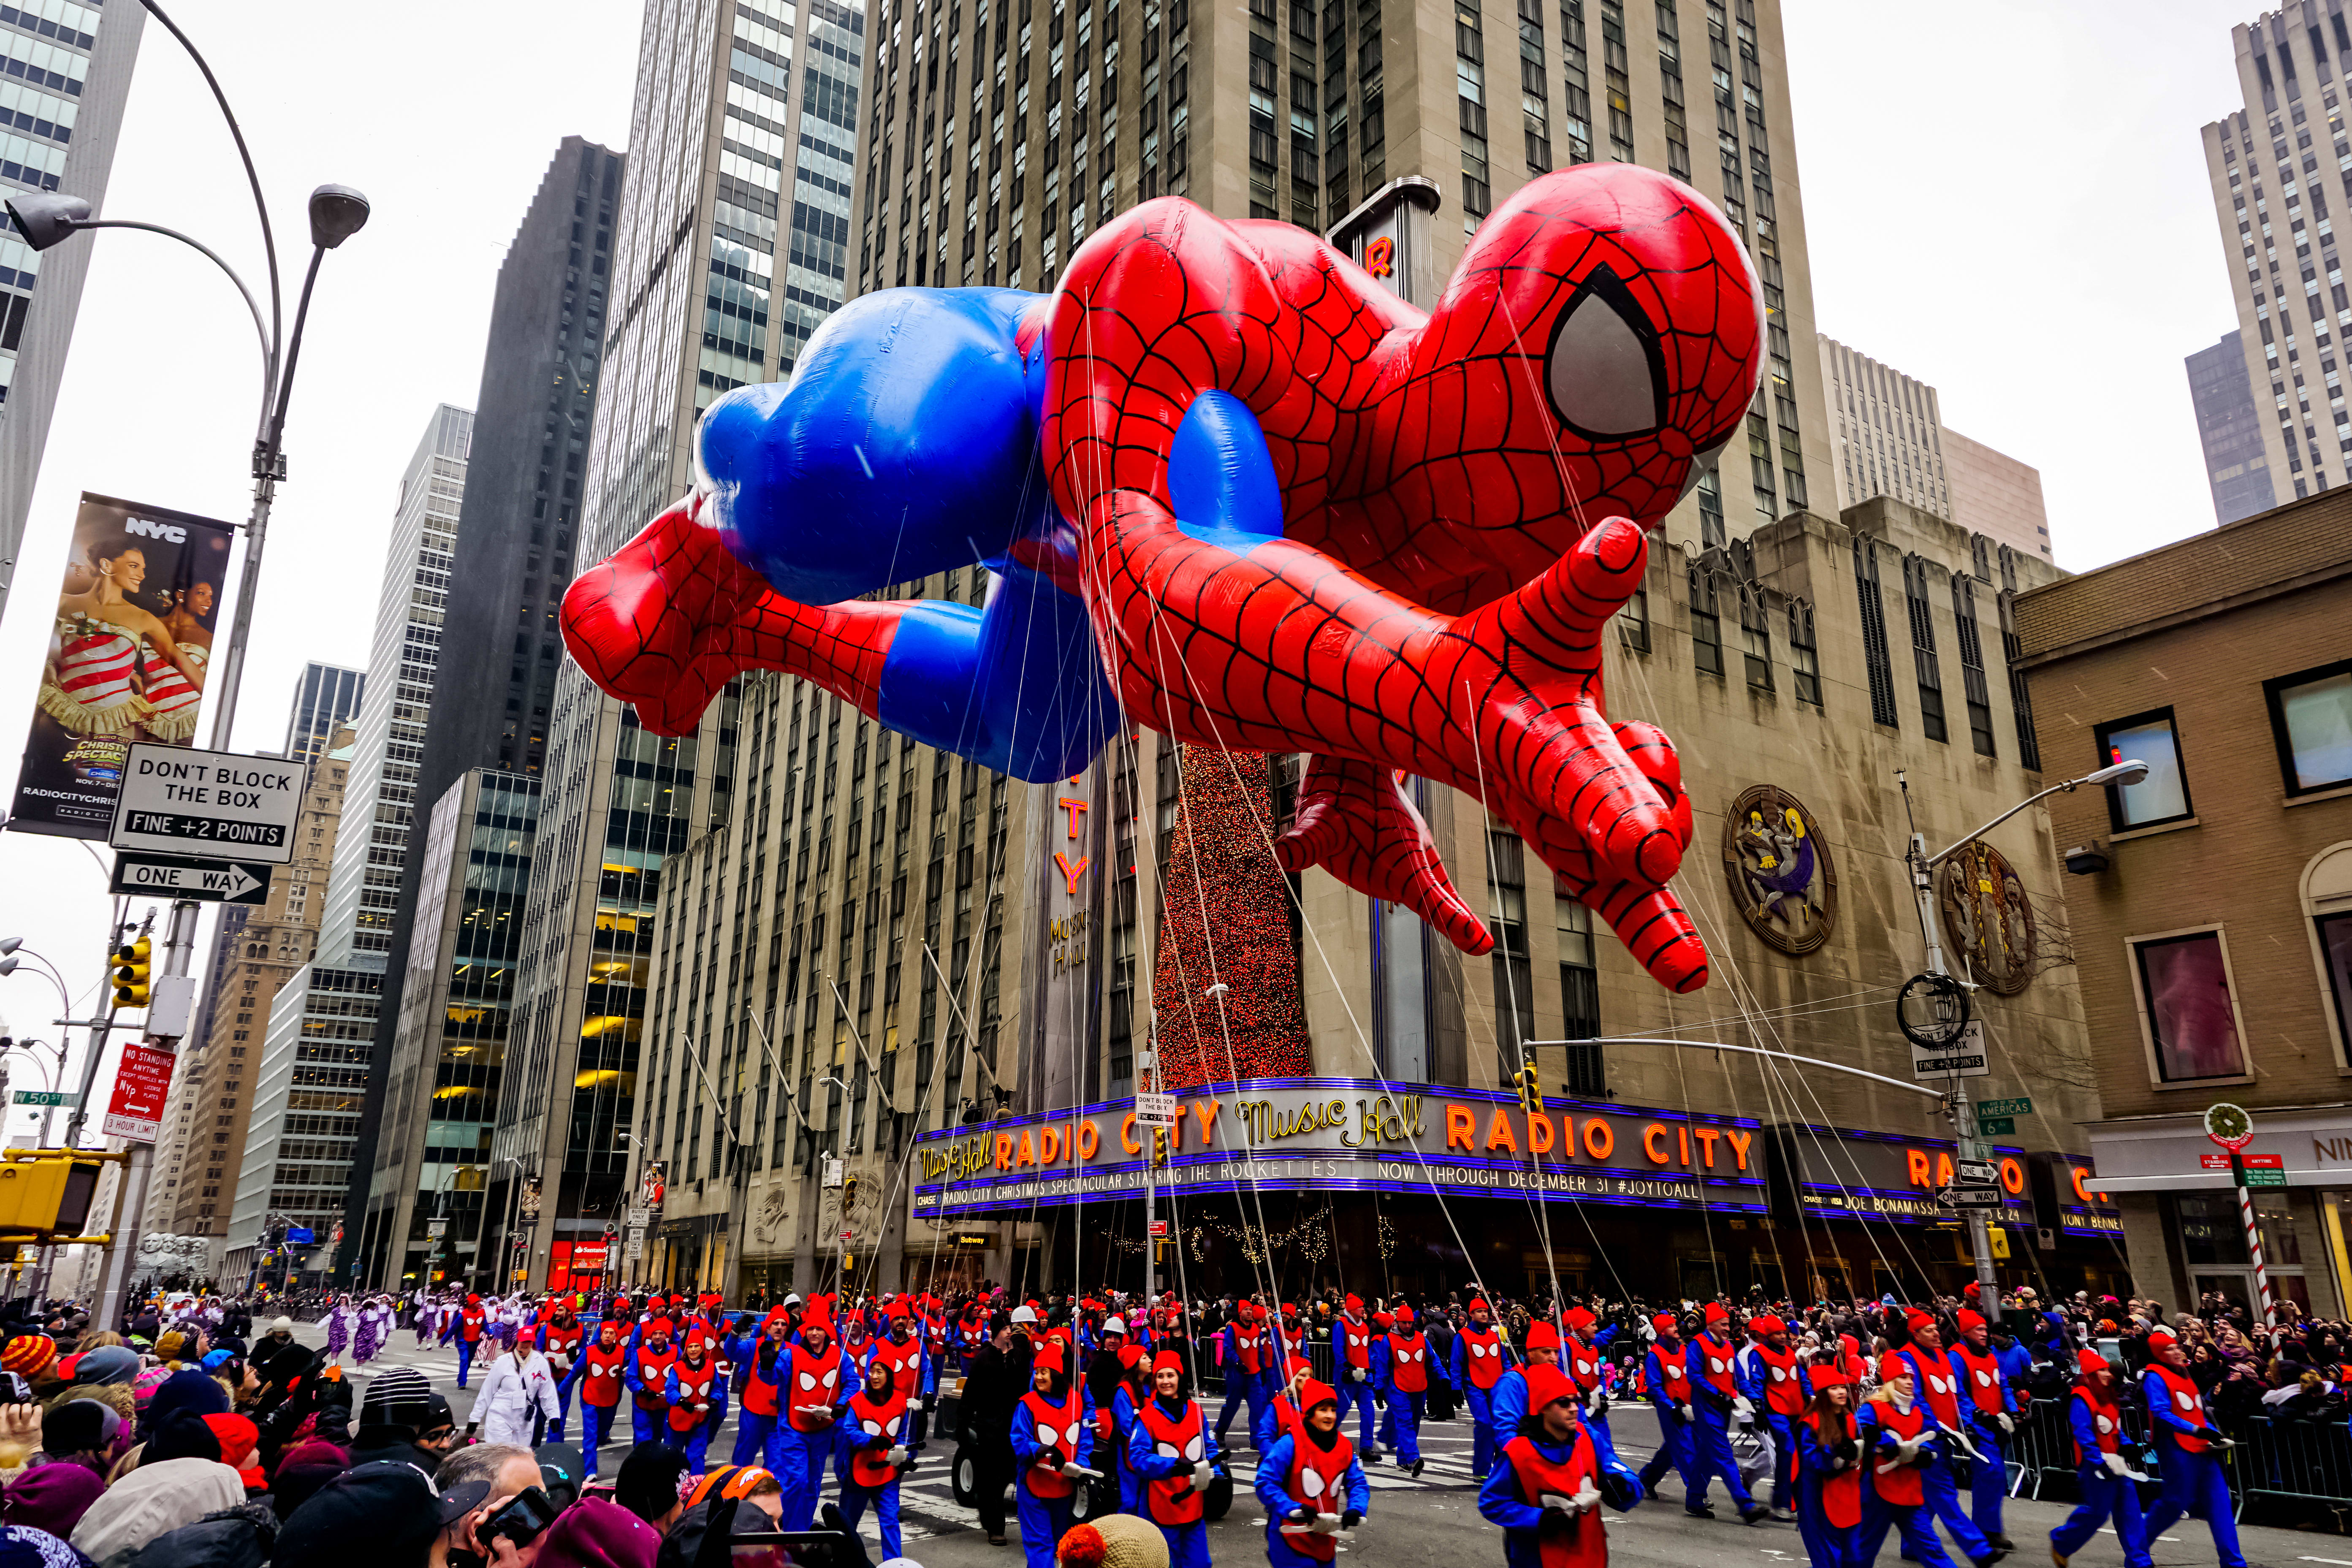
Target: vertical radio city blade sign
{"x": 127, "y": 659}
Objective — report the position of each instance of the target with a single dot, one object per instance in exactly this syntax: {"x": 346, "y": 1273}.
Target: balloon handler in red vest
{"x": 561, "y": 1334}
{"x": 689, "y": 1391}
{"x": 1714, "y": 1395}
{"x": 602, "y": 1372}
{"x": 1547, "y": 1493}
{"x": 1935, "y": 1380}
{"x": 1174, "y": 1455}
{"x": 468, "y": 1326}
{"x": 1832, "y": 1488}
{"x": 1312, "y": 1484}
{"x": 1351, "y": 1361}
{"x": 874, "y": 1452}
{"x": 1480, "y": 1357}
{"x": 1249, "y": 1355}
{"x": 815, "y": 1385}
{"x": 2188, "y": 1451}
{"x": 1900, "y": 1446}
{"x": 1990, "y": 1413}
{"x": 1053, "y": 1441}
{"x": 2105, "y": 1475}
{"x": 1666, "y": 1382}
{"x": 1774, "y": 1392}
{"x": 1401, "y": 1372}
{"x": 759, "y": 1397}
{"x": 648, "y": 1377}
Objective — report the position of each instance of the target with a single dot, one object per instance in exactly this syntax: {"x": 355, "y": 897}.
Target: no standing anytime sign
{"x": 208, "y": 804}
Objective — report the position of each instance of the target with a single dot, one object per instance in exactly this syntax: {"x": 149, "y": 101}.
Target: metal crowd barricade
{"x": 2305, "y": 1461}
{"x": 2044, "y": 1446}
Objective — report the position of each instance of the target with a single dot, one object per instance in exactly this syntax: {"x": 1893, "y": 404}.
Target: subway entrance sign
{"x": 210, "y": 804}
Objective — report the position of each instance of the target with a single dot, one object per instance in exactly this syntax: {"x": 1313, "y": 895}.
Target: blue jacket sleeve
{"x": 1360, "y": 1490}
{"x": 633, "y": 1375}
{"x": 1502, "y": 1502}
{"x": 1748, "y": 1376}
{"x": 1274, "y": 1479}
{"x": 1025, "y": 1435}
{"x": 2086, "y": 1435}
{"x": 669, "y": 1385}
{"x": 1510, "y": 1405}
{"x": 1379, "y": 1367}
{"x": 1457, "y": 1365}
{"x": 2159, "y": 1403}
{"x": 1086, "y": 1430}
{"x": 1654, "y": 1377}
{"x": 1602, "y": 1337}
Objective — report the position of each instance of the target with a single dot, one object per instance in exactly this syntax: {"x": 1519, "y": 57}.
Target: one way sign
{"x": 182, "y": 876}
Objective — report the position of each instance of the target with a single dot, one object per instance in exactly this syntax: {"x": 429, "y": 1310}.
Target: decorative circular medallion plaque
{"x": 1780, "y": 871}
{"x": 1987, "y": 923}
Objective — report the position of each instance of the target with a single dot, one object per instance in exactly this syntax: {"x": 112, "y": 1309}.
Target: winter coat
{"x": 520, "y": 1383}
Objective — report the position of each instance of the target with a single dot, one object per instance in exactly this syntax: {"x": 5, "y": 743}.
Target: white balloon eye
{"x": 807, "y": 1381}
{"x": 891, "y": 1428}
{"x": 1312, "y": 1479}
{"x": 1046, "y": 1438}
{"x": 874, "y": 1428}
{"x": 832, "y": 1377}
{"x": 1603, "y": 370}
{"x": 1193, "y": 1449}
{"x": 1165, "y": 1450}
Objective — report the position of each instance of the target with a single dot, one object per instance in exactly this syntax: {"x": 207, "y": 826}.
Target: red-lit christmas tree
{"x": 1226, "y": 922}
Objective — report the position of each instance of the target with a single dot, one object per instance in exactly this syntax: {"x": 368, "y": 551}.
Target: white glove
{"x": 897, "y": 1455}
{"x": 915, "y": 1403}
{"x": 1587, "y": 1499}
{"x": 1688, "y": 1414}
{"x": 1743, "y": 1409}
{"x": 1202, "y": 1474}
{"x": 1596, "y": 1404}
{"x": 1355, "y": 1375}
{"x": 2116, "y": 1464}
{"x": 1327, "y": 1524}
{"x": 1563, "y": 1504}
{"x": 2008, "y": 1427}
{"x": 1905, "y": 1450}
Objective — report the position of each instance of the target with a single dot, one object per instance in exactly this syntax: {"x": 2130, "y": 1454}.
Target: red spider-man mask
{"x": 1607, "y": 330}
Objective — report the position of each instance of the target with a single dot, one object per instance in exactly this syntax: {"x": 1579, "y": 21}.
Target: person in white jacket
{"x": 520, "y": 1388}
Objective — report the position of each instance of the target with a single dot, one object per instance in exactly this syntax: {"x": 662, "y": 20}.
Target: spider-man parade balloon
{"x": 1232, "y": 486}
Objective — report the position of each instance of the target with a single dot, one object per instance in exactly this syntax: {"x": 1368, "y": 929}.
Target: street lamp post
{"x": 336, "y": 213}
{"x": 1958, "y": 1101}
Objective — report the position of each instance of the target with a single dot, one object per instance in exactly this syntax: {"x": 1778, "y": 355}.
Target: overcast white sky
{"x": 2006, "y": 201}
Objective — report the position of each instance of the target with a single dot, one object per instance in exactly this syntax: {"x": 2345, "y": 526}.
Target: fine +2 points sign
{"x": 208, "y": 804}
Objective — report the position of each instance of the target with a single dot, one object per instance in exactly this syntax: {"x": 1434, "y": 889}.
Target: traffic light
{"x": 848, "y": 1191}
{"x": 49, "y": 1195}
{"x": 131, "y": 964}
{"x": 1530, "y": 1087}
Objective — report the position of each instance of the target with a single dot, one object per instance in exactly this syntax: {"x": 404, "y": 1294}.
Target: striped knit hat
{"x": 28, "y": 1356}
{"x": 394, "y": 1397}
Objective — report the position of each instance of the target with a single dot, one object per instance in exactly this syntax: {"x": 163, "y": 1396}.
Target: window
{"x": 1875, "y": 655}
{"x": 1706, "y": 626}
{"x": 1805, "y": 658}
{"x": 1633, "y": 622}
{"x": 2336, "y": 954}
{"x": 1580, "y": 982}
{"x": 1755, "y": 638}
{"x": 2310, "y": 715}
{"x": 2163, "y": 795}
{"x": 2190, "y": 1017}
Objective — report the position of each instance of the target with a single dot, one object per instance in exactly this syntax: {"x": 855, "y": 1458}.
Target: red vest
{"x": 562, "y": 1342}
{"x": 1841, "y": 1491}
{"x": 653, "y": 1366}
{"x": 1583, "y": 1364}
{"x": 1408, "y": 1364}
{"x": 599, "y": 1375}
{"x": 1716, "y": 1364}
{"x": 906, "y": 1364}
{"x": 1056, "y": 1428}
{"x": 816, "y": 1380}
{"x": 759, "y": 1394}
{"x": 867, "y": 1466}
{"x": 1901, "y": 1485}
{"x": 1940, "y": 1385}
{"x": 1482, "y": 1356}
{"x": 469, "y": 1325}
{"x": 1319, "y": 1483}
{"x": 1982, "y": 1375}
{"x": 1784, "y": 1394}
{"x": 1583, "y": 1543}
{"x": 2105, "y": 1420}
{"x": 693, "y": 1395}
{"x": 1171, "y": 1497}
{"x": 1356, "y": 1343}
{"x": 1249, "y": 1344}
{"x": 1674, "y": 1369}
{"x": 2186, "y": 1402}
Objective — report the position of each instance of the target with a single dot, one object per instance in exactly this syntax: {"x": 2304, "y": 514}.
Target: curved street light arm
{"x": 260, "y": 207}
{"x": 268, "y": 348}
{"x": 1942, "y": 855}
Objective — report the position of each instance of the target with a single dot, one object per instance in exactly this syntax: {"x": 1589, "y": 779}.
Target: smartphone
{"x": 527, "y": 1513}
{"x": 15, "y": 1390}
{"x": 794, "y": 1548}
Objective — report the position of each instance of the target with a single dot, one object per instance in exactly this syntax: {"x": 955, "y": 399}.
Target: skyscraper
{"x": 1889, "y": 439}
{"x": 2281, "y": 170}
{"x": 404, "y": 662}
{"x": 2229, "y": 428}
{"x": 326, "y": 700}
{"x": 67, "y": 74}
{"x": 517, "y": 528}
{"x": 739, "y": 101}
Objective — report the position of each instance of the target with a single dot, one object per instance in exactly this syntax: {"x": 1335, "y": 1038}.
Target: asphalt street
{"x": 1435, "y": 1519}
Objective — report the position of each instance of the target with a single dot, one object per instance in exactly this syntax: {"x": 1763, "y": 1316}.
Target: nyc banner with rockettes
{"x": 127, "y": 659}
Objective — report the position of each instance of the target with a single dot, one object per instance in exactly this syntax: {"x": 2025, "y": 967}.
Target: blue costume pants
{"x": 1711, "y": 1455}
{"x": 1827, "y": 1545}
{"x": 2104, "y": 1496}
{"x": 853, "y": 1499}
{"x": 1917, "y": 1526}
{"x": 798, "y": 1459}
{"x": 465, "y": 1361}
{"x": 1942, "y": 1482}
{"x": 1784, "y": 1457}
{"x": 596, "y": 1428}
{"x": 751, "y": 1437}
{"x": 1987, "y": 1479}
{"x": 694, "y": 1443}
{"x": 2194, "y": 1487}
{"x": 562, "y": 1404}
{"x": 1674, "y": 1452}
{"x": 1187, "y": 1545}
{"x": 646, "y": 1425}
{"x": 1403, "y": 1423}
{"x": 1242, "y": 1388}
{"x": 1483, "y": 1444}
{"x": 1359, "y": 1395}
{"x": 1043, "y": 1523}
{"x": 1280, "y": 1554}
{"x": 1604, "y": 1446}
